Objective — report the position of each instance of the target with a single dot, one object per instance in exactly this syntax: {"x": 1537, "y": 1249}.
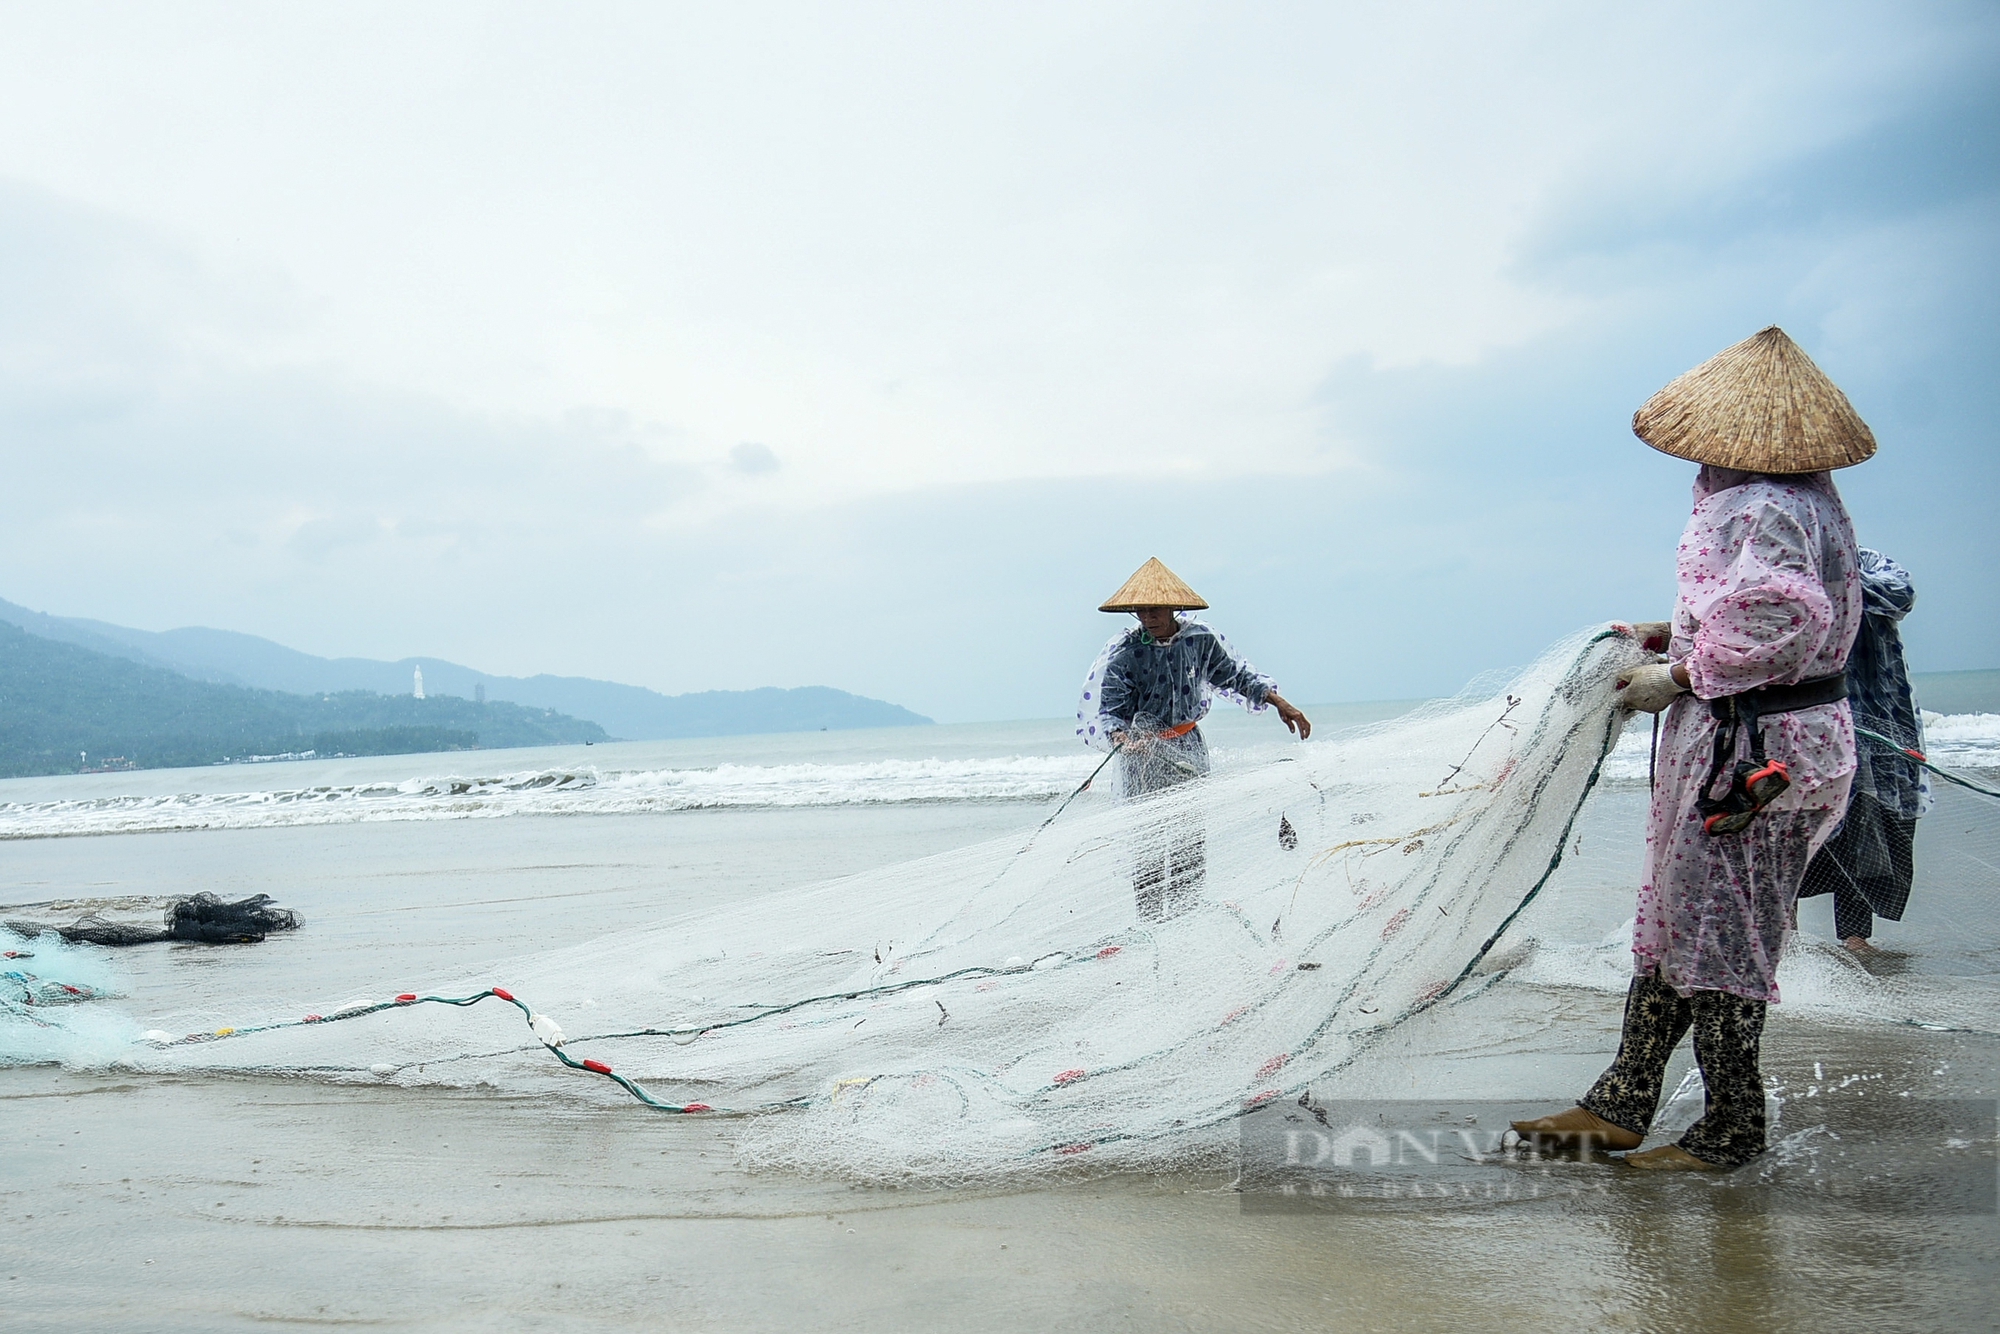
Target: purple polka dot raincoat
{"x": 1770, "y": 594}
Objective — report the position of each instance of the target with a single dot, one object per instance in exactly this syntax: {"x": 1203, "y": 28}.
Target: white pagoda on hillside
{"x": 418, "y": 690}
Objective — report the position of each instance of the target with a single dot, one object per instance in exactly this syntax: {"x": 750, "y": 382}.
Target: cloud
{"x": 316, "y": 537}
{"x": 1342, "y": 313}
{"x": 752, "y": 458}
{"x": 1933, "y": 147}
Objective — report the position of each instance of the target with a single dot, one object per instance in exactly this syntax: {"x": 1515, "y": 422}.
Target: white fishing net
{"x": 1009, "y": 1006}
{"x": 1017, "y": 1006}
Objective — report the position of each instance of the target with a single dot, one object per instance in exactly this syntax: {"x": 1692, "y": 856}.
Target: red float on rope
{"x": 599, "y": 1066}
{"x": 502, "y": 993}
{"x": 406, "y": 998}
{"x": 312, "y": 1019}
{"x": 1108, "y": 951}
{"x": 1069, "y": 1076}
{"x": 697, "y": 1107}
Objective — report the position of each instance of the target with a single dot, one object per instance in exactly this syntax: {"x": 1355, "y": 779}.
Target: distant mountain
{"x": 64, "y": 707}
{"x": 630, "y": 712}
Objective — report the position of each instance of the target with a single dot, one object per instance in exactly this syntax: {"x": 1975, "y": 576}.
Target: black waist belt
{"x": 1757, "y": 781}
{"x": 1766, "y": 700}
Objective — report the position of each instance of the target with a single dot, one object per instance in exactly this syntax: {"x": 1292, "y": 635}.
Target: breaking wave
{"x": 1966, "y": 741}
{"x": 578, "y": 791}
{"x": 1963, "y": 740}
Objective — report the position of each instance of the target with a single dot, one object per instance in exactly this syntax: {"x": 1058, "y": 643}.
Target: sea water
{"x": 211, "y": 1202}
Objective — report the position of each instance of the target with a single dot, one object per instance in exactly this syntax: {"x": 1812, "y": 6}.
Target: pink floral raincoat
{"x": 1770, "y": 594}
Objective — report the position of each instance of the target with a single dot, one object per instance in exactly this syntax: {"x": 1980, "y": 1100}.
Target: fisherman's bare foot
{"x": 1859, "y": 944}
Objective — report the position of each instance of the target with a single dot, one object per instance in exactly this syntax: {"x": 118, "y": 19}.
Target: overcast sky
{"x": 872, "y": 346}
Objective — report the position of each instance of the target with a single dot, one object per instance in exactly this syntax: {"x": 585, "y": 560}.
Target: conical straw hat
{"x": 1761, "y": 406}
{"x": 1154, "y": 585}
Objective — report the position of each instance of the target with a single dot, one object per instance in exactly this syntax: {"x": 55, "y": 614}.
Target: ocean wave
{"x": 578, "y": 791}
{"x": 1965, "y": 741}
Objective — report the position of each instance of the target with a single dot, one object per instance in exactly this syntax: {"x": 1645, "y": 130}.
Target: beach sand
{"x": 152, "y": 1203}
{"x": 224, "y": 1204}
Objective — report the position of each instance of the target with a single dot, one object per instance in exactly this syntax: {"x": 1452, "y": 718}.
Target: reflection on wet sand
{"x": 258, "y": 1200}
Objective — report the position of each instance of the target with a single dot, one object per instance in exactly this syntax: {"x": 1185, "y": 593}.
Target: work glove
{"x": 1649, "y": 688}
{"x": 1653, "y": 636}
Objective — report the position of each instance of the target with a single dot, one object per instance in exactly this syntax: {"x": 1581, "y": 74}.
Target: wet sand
{"x": 223, "y": 1203}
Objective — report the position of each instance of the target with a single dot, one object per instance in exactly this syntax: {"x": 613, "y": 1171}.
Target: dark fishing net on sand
{"x": 205, "y": 919}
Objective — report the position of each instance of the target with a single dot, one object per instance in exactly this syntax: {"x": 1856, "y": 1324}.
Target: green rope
{"x": 1921, "y": 759}
{"x": 595, "y": 1067}
{"x": 1596, "y": 772}
{"x": 887, "y": 989}
{"x": 406, "y": 1000}
{"x": 1072, "y": 797}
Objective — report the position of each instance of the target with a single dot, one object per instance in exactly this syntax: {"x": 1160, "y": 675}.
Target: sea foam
{"x": 573, "y": 791}
{"x": 1969, "y": 741}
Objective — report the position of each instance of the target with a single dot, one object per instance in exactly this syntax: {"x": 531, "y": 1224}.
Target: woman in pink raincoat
{"x": 1757, "y": 750}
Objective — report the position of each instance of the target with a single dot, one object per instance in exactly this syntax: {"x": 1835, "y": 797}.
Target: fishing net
{"x": 206, "y": 919}
{"x": 1116, "y": 989}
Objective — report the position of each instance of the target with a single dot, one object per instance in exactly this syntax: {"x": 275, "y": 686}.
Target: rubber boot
{"x": 1579, "y": 1130}
{"x": 1671, "y": 1158}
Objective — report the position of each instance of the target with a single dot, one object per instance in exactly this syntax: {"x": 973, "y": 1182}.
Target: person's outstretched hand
{"x": 1290, "y": 716}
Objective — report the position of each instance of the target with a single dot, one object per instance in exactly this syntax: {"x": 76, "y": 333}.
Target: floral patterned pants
{"x": 1727, "y": 1031}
